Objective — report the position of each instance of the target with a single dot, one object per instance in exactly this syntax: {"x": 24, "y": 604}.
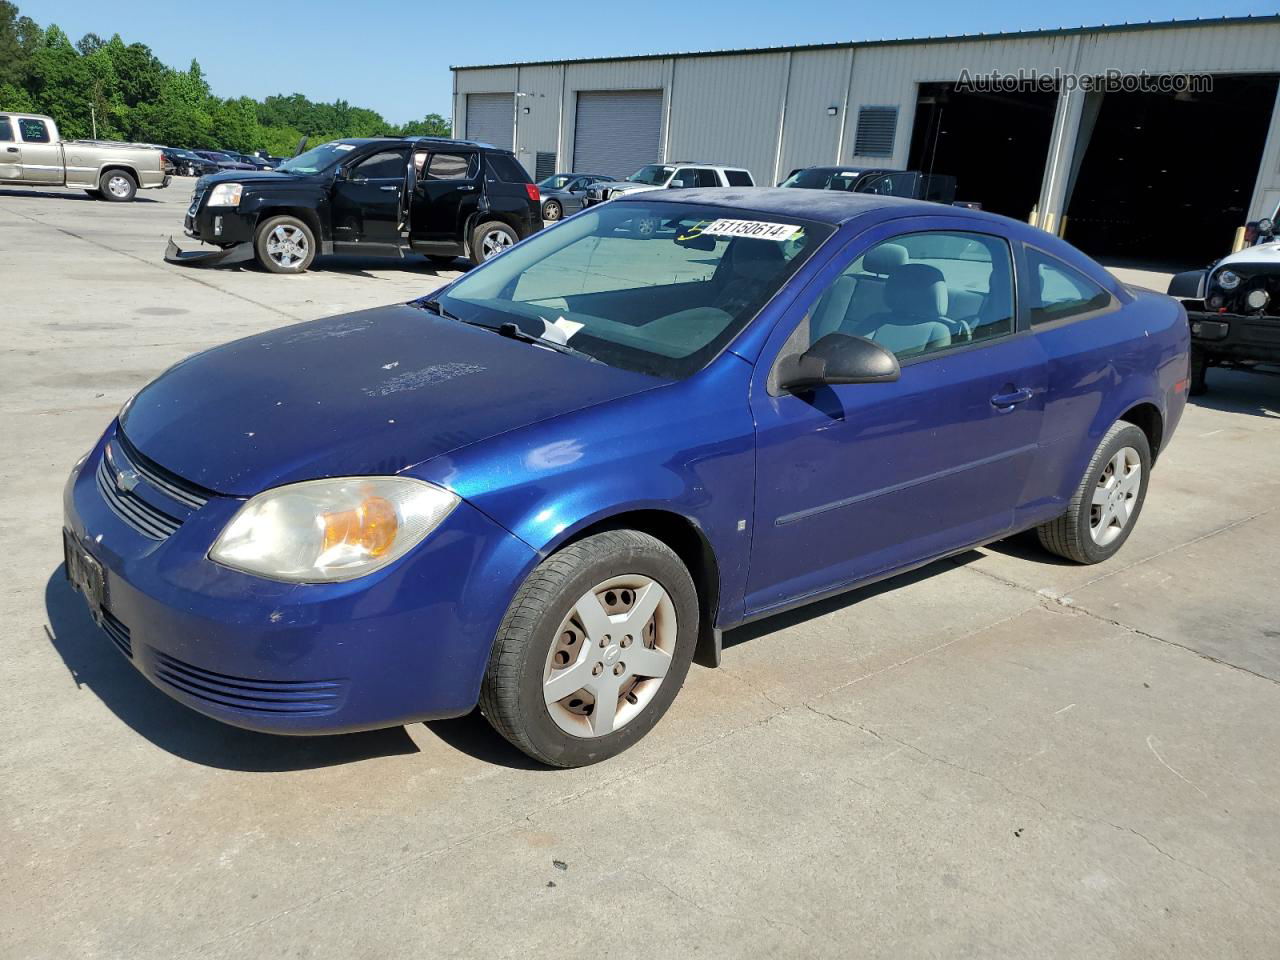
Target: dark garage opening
{"x": 994, "y": 144}
{"x": 1166, "y": 178}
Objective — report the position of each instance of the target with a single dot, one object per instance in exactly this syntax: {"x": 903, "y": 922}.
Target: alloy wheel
{"x": 493, "y": 243}
{"x": 551, "y": 211}
{"x": 611, "y": 653}
{"x": 1115, "y": 495}
{"x": 118, "y": 186}
{"x": 287, "y": 245}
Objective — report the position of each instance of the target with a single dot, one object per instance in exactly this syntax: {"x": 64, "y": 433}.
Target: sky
{"x": 394, "y": 57}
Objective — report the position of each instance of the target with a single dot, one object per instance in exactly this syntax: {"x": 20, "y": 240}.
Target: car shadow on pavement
{"x": 79, "y": 197}
{"x": 95, "y": 663}
{"x": 472, "y": 735}
{"x": 361, "y": 266}
{"x": 1237, "y": 391}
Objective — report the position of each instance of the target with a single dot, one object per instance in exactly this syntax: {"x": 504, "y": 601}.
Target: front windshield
{"x": 658, "y": 288}
{"x": 317, "y": 158}
{"x": 556, "y": 182}
{"x": 653, "y": 175}
{"x": 819, "y": 178}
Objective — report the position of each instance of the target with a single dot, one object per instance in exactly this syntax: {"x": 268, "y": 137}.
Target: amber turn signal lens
{"x": 371, "y": 527}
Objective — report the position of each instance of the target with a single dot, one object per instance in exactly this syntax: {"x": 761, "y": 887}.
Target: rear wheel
{"x": 117, "y": 186}
{"x": 491, "y": 239}
{"x": 1105, "y": 506}
{"x": 593, "y": 650}
{"x": 285, "y": 245}
{"x": 552, "y": 211}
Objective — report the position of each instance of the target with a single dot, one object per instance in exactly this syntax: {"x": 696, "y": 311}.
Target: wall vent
{"x": 876, "y": 129}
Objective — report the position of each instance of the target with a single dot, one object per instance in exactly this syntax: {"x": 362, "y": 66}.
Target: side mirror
{"x": 674, "y": 184}
{"x": 1189, "y": 285}
{"x": 838, "y": 358}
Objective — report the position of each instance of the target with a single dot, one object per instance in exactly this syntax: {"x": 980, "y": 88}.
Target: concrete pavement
{"x": 1001, "y": 755}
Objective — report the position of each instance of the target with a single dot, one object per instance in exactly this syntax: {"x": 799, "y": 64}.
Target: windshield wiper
{"x": 513, "y": 332}
{"x": 436, "y": 307}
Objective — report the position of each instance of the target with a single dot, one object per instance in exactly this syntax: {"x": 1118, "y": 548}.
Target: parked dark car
{"x": 544, "y": 486}
{"x": 188, "y": 163}
{"x": 1234, "y": 306}
{"x": 382, "y": 196}
{"x": 883, "y": 182}
{"x": 254, "y": 162}
{"x": 563, "y": 193}
{"x": 223, "y": 161}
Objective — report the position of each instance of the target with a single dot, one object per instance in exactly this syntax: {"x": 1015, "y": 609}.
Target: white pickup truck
{"x": 31, "y": 152}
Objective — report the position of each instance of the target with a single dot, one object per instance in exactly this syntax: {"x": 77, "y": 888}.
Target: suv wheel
{"x": 593, "y": 649}
{"x": 491, "y": 239}
{"x": 117, "y": 186}
{"x": 284, "y": 245}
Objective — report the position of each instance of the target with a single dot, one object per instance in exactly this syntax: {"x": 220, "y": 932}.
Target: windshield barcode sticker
{"x": 757, "y": 229}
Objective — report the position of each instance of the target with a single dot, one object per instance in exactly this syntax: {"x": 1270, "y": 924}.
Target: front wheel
{"x": 593, "y": 649}
{"x": 491, "y": 239}
{"x": 285, "y": 245}
{"x": 1106, "y": 503}
{"x": 117, "y": 186}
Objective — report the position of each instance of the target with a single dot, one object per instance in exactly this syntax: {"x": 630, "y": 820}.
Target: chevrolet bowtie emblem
{"x": 126, "y": 480}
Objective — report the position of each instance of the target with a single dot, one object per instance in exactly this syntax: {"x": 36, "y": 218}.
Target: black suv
{"x": 383, "y": 196}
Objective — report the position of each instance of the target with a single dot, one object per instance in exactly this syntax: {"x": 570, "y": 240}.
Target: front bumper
{"x": 403, "y": 644}
{"x": 218, "y": 225}
{"x": 1232, "y": 336}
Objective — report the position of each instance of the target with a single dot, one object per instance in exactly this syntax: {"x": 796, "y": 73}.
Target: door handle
{"x": 393, "y": 187}
{"x": 466, "y": 188}
{"x": 1009, "y": 400}
{"x": 11, "y": 150}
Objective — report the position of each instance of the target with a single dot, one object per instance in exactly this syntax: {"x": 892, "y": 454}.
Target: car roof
{"x": 824, "y": 206}
{"x": 426, "y": 141}
{"x": 852, "y": 169}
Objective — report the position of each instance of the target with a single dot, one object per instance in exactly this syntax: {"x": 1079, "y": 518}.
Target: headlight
{"x": 322, "y": 531}
{"x": 1256, "y": 299}
{"x": 226, "y": 195}
{"x": 1228, "y": 280}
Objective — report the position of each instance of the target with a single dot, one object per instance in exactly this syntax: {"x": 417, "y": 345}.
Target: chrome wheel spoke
{"x": 605, "y": 713}
{"x": 644, "y": 662}
{"x": 593, "y": 618}
{"x": 567, "y": 681}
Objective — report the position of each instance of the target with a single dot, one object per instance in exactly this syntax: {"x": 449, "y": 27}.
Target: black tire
{"x": 1069, "y": 535}
{"x": 511, "y": 696}
{"x": 117, "y": 186}
{"x": 552, "y": 211}
{"x": 1199, "y": 368}
{"x": 262, "y": 236}
{"x": 484, "y": 230}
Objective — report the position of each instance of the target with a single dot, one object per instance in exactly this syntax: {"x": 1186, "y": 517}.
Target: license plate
{"x": 85, "y": 574}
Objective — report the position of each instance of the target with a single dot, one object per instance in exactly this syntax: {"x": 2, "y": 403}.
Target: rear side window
{"x": 738, "y": 178}
{"x": 707, "y": 178}
{"x": 6, "y": 131}
{"x": 1060, "y": 291}
{"x": 33, "y": 131}
{"x": 451, "y": 166}
{"x": 504, "y": 167}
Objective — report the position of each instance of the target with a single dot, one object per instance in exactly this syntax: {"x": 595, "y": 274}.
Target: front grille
{"x": 118, "y": 633}
{"x": 132, "y": 509}
{"x": 123, "y": 454}
{"x": 271, "y": 697}
{"x": 1252, "y": 277}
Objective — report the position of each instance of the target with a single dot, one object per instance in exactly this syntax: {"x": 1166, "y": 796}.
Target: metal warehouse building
{"x": 1169, "y": 171}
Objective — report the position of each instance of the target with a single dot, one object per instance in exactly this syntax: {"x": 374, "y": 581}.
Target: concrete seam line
{"x": 131, "y": 256}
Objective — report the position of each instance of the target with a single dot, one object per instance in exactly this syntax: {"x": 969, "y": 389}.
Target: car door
{"x": 368, "y": 200}
{"x": 10, "y": 152}
{"x": 856, "y": 481}
{"x": 577, "y": 190}
{"x": 446, "y": 192}
{"x": 41, "y": 158}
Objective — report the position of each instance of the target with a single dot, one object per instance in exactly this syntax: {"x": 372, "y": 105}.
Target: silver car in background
{"x": 563, "y": 194}
{"x": 32, "y": 152}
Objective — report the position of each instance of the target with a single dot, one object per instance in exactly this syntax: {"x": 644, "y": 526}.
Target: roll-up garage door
{"x": 489, "y": 118}
{"x": 617, "y": 131}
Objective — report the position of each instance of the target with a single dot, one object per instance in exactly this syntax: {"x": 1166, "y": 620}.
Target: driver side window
{"x": 922, "y": 293}
{"x": 384, "y": 165}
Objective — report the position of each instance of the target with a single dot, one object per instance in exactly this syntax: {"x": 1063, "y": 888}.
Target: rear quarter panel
{"x": 1100, "y": 367}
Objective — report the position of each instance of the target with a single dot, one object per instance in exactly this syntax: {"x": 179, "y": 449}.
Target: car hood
{"x": 364, "y": 393}
{"x": 1264, "y": 254}
{"x": 248, "y": 177}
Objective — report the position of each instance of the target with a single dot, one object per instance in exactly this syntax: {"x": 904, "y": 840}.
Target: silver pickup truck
{"x": 31, "y": 152}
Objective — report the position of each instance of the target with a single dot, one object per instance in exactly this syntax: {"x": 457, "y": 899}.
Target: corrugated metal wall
{"x": 617, "y": 131}
{"x": 730, "y": 108}
{"x": 489, "y": 118}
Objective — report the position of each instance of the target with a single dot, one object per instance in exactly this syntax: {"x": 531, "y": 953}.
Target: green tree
{"x": 432, "y": 125}
{"x": 19, "y": 37}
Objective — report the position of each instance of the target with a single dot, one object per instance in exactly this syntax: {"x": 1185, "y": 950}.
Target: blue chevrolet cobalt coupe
{"x": 547, "y": 487}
